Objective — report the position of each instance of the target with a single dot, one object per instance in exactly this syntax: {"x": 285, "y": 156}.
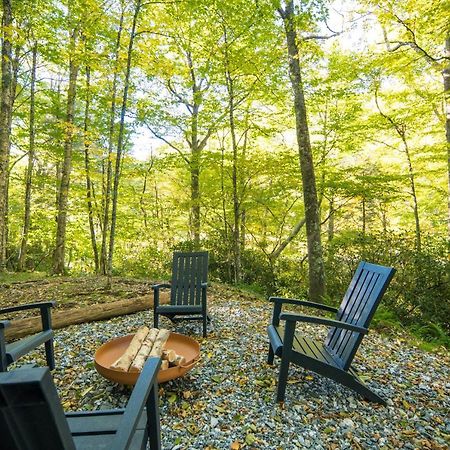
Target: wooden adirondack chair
{"x": 32, "y": 418}
{"x": 333, "y": 357}
{"x": 187, "y": 290}
{"x": 12, "y": 352}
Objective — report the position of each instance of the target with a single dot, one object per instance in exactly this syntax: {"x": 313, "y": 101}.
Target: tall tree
{"x": 29, "y": 172}
{"x": 120, "y": 140}
{"x": 312, "y": 217}
{"x": 66, "y": 168}
{"x": 6, "y": 105}
{"x": 106, "y": 223}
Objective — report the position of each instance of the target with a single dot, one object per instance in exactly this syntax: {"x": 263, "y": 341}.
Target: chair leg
{"x": 358, "y": 386}
{"x": 288, "y": 340}
{"x": 50, "y": 354}
{"x": 153, "y": 420}
{"x": 205, "y": 323}
{"x": 282, "y": 379}
{"x": 155, "y": 320}
{"x": 270, "y": 355}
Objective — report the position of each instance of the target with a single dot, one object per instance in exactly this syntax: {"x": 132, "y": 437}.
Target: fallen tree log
{"x": 64, "y": 317}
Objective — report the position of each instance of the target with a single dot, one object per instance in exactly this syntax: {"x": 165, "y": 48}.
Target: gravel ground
{"x": 227, "y": 400}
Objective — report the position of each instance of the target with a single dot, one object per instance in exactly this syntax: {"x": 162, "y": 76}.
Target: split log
{"x": 159, "y": 343}
{"x": 124, "y": 362}
{"x": 164, "y": 364}
{"x": 169, "y": 355}
{"x": 179, "y": 360}
{"x": 144, "y": 351}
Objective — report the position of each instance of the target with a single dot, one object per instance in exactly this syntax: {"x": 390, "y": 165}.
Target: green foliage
{"x": 420, "y": 290}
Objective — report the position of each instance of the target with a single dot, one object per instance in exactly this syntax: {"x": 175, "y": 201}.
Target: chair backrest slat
{"x": 360, "y": 302}
{"x": 31, "y": 415}
{"x": 189, "y": 271}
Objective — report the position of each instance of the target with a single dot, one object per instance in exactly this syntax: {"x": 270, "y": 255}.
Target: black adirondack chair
{"x": 13, "y": 351}
{"x": 187, "y": 290}
{"x": 32, "y": 418}
{"x": 333, "y": 357}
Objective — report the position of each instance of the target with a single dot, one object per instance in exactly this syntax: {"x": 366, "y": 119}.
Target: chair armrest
{"x": 146, "y": 382}
{"x": 293, "y": 301}
{"x": 40, "y": 305}
{"x": 4, "y": 324}
{"x": 322, "y": 321}
{"x": 156, "y": 287}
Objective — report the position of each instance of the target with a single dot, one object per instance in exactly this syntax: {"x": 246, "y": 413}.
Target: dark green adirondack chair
{"x": 187, "y": 290}
{"x": 32, "y": 418}
{"x": 13, "y": 351}
{"x": 333, "y": 357}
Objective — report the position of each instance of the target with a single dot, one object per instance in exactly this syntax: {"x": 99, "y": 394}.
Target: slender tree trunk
{"x": 331, "y": 220}
{"x": 63, "y": 192}
{"x": 446, "y": 75}
{"x": 315, "y": 256}
{"x": 115, "y": 191}
{"x": 108, "y": 184}
{"x": 87, "y": 167}
{"x": 412, "y": 184}
{"x": 6, "y": 103}
{"x": 363, "y": 208}
{"x": 144, "y": 190}
{"x": 29, "y": 172}
{"x": 194, "y": 163}
{"x": 236, "y": 244}
{"x": 401, "y": 131}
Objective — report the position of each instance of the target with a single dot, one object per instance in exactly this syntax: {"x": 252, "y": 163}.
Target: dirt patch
{"x": 78, "y": 300}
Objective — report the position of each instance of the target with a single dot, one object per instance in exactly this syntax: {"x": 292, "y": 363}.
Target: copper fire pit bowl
{"x": 110, "y": 351}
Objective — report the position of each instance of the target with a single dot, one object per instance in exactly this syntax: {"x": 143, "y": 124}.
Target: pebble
{"x": 231, "y": 391}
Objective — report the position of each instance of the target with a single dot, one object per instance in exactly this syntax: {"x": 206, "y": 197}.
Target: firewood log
{"x": 169, "y": 355}
{"x": 179, "y": 360}
{"x": 142, "y": 354}
{"x": 164, "y": 364}
{"x": 159, "y": 343}
{"x": 124, "y": 362}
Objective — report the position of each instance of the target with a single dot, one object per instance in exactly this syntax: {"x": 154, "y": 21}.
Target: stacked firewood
{"x": 145, "y": 344}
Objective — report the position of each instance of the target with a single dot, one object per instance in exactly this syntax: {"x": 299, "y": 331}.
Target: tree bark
{"x": 400, "y": 129}
{"x": 446, "y": 76}
{"x": 87, "y": 167}
{"x": 315, "y": 256}
{"x": 194, "y": 163}
{"x": 108, "y": 183}
{"x": 236, "y": 244}
{"x": 6, "y": 104}
{"x": 29, "y": 172}
{"x": 115, "y": 192}
{"x": 63, "y": 192}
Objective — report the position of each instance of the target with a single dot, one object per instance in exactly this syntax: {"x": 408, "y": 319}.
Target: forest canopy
{"x": 129, "y": 129}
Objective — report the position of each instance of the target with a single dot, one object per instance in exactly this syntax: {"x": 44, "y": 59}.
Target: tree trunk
{"x": 315, "y": 257}
{"x": 115, "y": 192}
{"x": 108, "y": 184}
{"x": 236, "y": 244}
{"x": 6, "y": 103}
{"x": 63, "y": 192}
{"x": 87, "y": 167}
{"x": 400, "y": 129}
{"x": 446, "y": 75}
{"x": 412, "y": 184}
{"x": 194, "y": 166}
{"x": 331, "y": 220}
{"x": 29, "y": 173}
